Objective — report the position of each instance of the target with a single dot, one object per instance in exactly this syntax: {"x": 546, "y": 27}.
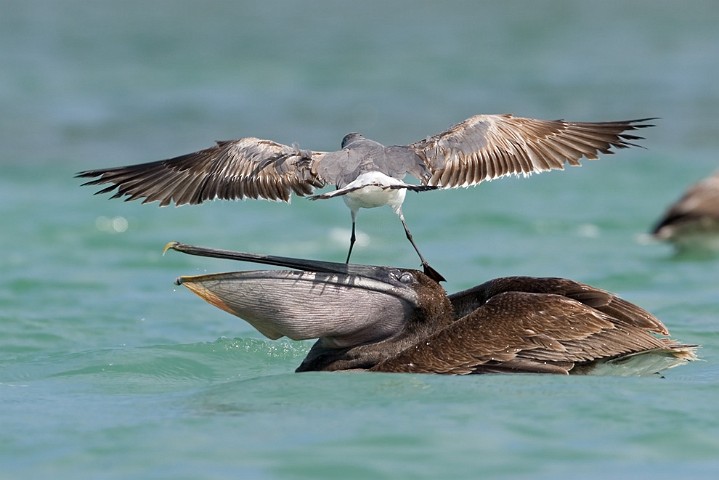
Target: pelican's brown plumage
{"x": 365, "y": 173}
{"x": 692, "y": 222}
{"x": 529, "y": 324}
{"x": 386, "y": 319}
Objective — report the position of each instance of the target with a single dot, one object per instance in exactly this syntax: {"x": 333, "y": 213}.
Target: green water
{"x": 108, "y": 370}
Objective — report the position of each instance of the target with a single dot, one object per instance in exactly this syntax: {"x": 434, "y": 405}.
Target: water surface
{"x": 108, "y": 370}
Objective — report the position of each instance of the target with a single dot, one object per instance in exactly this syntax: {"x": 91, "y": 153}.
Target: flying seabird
{"x": 386, "y": 319}
{"x": 692, "y": 222}
{"x": 367, "y": 174}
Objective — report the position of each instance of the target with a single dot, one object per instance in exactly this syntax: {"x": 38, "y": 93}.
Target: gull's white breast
{"x": 369, "y": 190}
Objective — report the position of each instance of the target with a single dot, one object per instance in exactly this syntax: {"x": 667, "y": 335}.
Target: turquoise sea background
{"x": 108, "y": 370}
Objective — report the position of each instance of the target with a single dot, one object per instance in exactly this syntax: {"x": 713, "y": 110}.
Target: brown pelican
{"x": 386, "y": 319}
{"x": 367, "y": 174}
{"x": 692, "y": 222}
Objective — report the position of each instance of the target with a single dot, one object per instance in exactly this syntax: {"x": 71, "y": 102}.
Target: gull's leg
{"x": 353, "y": 238}
{"x": 429, "y": 271}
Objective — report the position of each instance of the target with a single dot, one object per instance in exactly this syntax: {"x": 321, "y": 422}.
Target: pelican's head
{"x": 351, "y": 138}
{"x": 342, "y": 304}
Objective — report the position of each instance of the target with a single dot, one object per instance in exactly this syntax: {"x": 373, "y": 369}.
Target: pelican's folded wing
{"x": 466, "y": 301}
{"x": 526, "y": 332}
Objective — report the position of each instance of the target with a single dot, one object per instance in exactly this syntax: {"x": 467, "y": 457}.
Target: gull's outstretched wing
{"x": 485, "y": 147}
{"x": 237, "y": 169}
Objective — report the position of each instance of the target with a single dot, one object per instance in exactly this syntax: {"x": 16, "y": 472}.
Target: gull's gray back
{"x": 362, "y": 155}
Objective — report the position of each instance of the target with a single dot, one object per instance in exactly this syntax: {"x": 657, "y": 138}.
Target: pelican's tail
{"x": 648, "y": 362}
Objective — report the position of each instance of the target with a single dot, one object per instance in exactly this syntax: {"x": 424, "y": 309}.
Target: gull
{"x": 365, "y": 173}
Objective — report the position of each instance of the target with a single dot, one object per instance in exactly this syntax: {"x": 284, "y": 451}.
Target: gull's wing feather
{"x": 245, "y": 168}
{"x": 485, "y": 147}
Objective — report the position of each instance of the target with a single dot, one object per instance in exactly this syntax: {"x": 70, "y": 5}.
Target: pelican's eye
{"x": 397, "y": 275}
{"x": 402, "y": 277}
{"x": 406, "y": 278}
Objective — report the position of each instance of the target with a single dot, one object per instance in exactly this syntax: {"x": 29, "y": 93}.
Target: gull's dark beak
{"x": 342, "y": 304}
